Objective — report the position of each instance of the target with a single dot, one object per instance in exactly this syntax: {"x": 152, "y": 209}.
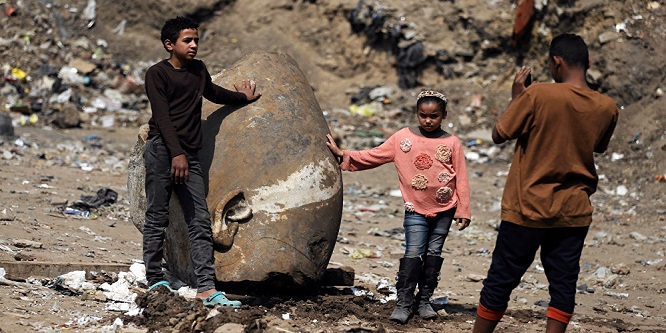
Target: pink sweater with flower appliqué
{"x": 432, "y": 172}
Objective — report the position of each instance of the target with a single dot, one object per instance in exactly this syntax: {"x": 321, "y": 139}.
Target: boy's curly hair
{"x": 172, "y": 28}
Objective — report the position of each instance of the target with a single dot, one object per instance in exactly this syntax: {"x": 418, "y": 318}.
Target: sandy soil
{"x": 631, "y": 301}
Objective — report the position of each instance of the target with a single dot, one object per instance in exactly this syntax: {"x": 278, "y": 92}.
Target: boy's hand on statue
{"x": 333, "y": 146}
{"x": 519, "y": 81}
{"x": 462, "y": 223}
{"x": 179, "y": 169}
{"x": 248, "y": 88}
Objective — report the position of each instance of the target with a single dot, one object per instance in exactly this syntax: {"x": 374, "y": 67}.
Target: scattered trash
{"x": 584, "y": 289}
{"x": 541, "y": 303}
{"x": 365, "y": 110}
{"x": 651, "y": 262}
{"x": 73, "y": 211}
{"x": 364, "y": 253}
{"x": 617, "y": 295}
{"x": 621, "y": 190}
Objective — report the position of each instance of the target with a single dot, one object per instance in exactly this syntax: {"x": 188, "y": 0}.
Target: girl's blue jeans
{"x": 426, "y": 235}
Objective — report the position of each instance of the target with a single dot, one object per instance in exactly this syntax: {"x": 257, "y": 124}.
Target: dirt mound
{"x": 325, "y": 309}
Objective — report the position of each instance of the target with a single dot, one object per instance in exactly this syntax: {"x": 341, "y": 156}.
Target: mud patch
{"x": 323, "y": 310}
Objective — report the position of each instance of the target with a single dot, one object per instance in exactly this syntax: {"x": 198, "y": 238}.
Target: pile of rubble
{"x": 54, "y": 75}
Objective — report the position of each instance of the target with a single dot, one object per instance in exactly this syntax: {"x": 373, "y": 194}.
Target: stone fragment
{"x": 68, "y": 116}
{"x": 27, "y": 243}
{"x": 343, "y": 276}
{"x": 621, "y": 269}
{"x": 82, "y": 66}
{"x": 475, "y": 277}
{"x": 594, "y": 76}
{"x": 608, "y": 36}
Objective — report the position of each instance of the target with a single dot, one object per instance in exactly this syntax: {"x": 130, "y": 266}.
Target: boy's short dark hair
{"x": 572, "y": 49}
{"x": 172, "y": 28}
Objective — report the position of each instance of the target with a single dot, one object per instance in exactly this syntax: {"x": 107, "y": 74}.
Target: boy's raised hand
{"x": 519, "y": 81}
{"x": 248, "y": 88}
{"x": 333, "y": 146}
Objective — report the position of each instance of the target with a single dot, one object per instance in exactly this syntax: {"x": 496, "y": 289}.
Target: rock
{"x": 442, "y": 313}
{"x": 343, "y": 276}
{"x": 594, "y": 76}
{"x": 608, "y": 36}
{"x": 275, "y": 190}
{"x": 24, "y": 257}
{"x": 611, "y": 281}
{"x": 475, "y": 277}
{"x": 637, "y": 236}
{"x": 621, "y": 269}
{"x": 464, "y": 120}
{"x": 68, "y": 116}
{"x": 82, "y": 66}
{"x": 230, "y": 328}
{"x": 599, "y": 275}
{"x": 584, "y": 6}
{"x": 27, "y": 243}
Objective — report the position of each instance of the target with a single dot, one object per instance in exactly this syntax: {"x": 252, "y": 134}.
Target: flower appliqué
{"x": 423, "y": 161}
{"x": 420, "y": 182}
{"x": 409, "y": 207}
{"x": 444, "y": 194}
{"x": 405, "y": 145}
{"x": 444, "y": 177}
{"x": 443, "y": 154}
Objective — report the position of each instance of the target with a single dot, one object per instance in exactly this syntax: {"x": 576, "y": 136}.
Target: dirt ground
{"x": 622, "y": 280}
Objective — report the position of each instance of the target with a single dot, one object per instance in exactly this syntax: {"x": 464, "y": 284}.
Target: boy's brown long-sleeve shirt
{"x": 175, "y": 97}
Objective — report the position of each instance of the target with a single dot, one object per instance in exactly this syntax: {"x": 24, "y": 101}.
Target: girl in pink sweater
{"x": 433, "y": 181}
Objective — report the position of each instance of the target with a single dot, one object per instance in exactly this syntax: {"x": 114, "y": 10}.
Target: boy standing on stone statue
{"x": 558, "y": 127}
{"x": 175, "y": 88}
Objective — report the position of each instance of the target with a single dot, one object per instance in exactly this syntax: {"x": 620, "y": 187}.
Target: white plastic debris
{"x": 621, "y": 27}
{"x": 395, "y": 193}
{"x": 600, "y": 274}
{"x": 77, "y": 280}
{"x": 119, "y": 291}
{"x": 616, "y": 156}
{"x": 90, "y": 11}
{"x": 139, "y": 271}
{"x": 617, "y": 295}
{"x": 472, "y": 156}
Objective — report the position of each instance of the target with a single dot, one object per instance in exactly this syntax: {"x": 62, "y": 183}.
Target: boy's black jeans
{"x": 192, "y": 198}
